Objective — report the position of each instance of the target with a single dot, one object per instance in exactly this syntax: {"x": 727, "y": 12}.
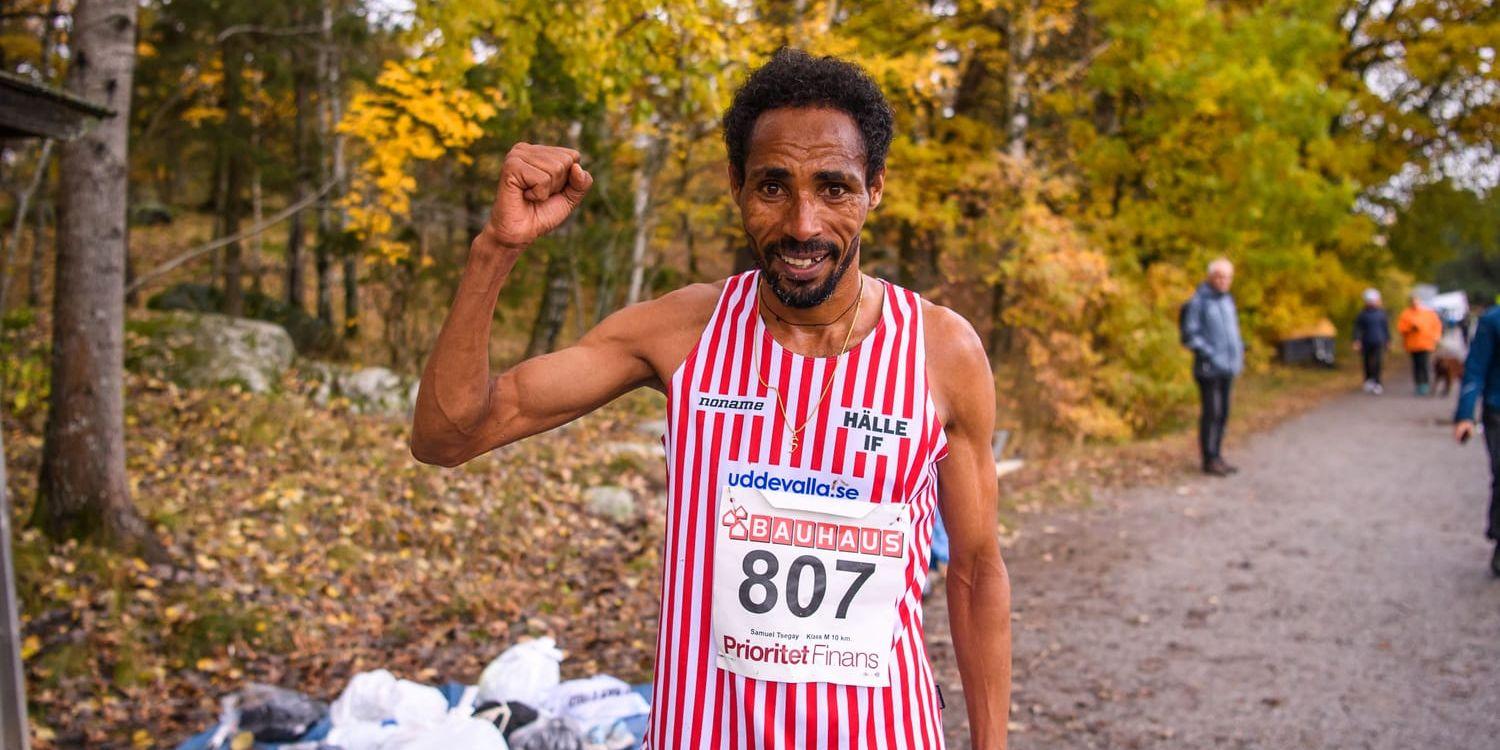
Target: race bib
{"x": 806, "y": 586}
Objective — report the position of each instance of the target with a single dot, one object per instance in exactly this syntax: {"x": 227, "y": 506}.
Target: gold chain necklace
{"x": 828, "y": 386}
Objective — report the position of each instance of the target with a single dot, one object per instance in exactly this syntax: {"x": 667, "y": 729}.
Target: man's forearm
{"x": 455, "y": 390}
{"x": 979, "y": 616}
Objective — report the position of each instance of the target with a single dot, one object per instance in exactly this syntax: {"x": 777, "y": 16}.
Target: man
{"x": 1482, "y": 381}
{"x": 1211, "y": 329}
{"x": 1372, "y": 333}
{"x": 817, "y": 419}
{"x": 1420, "y": 329}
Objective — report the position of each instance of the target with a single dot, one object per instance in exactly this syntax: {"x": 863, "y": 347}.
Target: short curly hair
{"x": 794, "y": 78}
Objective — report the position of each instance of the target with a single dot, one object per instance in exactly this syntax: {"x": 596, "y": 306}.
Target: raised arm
{"x": 462, "y": 410}
{"x": 968, "y": 496}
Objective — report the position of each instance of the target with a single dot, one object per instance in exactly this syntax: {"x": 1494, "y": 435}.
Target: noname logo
{"x": 752, "y": 479}
{"x": 733, "y": 404}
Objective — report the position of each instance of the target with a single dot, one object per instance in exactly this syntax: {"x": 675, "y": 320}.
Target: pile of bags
{"x": 520, "y": 703}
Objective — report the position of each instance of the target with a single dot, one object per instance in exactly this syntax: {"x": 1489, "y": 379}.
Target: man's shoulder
{"x": 951, "y": 338}
{"x": 688, "y": 304}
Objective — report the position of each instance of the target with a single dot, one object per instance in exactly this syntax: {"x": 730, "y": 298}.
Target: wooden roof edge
{"x": 78, "y": 103}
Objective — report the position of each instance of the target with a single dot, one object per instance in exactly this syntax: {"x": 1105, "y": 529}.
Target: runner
{"x": 817, "y": 419}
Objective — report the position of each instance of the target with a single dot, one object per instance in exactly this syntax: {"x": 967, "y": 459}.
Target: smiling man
{"x": 817, "y": 420}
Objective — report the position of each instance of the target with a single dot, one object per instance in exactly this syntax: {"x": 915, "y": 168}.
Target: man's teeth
{"x": 802, "y": 262}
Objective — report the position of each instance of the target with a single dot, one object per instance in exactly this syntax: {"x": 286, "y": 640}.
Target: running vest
{"x": 791, "y": 606}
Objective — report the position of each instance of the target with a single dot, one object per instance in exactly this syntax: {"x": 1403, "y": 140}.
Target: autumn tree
{"x": 82, "y": 490}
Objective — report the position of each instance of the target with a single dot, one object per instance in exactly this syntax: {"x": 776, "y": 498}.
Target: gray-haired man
{"x": 1211, "y": 328}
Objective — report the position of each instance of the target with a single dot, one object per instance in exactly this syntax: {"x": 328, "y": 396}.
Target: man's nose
{"x": 804, "y": 224}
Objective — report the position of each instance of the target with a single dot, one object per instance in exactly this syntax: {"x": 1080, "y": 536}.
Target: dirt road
{"x": 1334, "y": 594}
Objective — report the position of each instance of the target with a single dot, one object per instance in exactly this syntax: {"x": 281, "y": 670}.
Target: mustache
{"x": 790, "y": 246}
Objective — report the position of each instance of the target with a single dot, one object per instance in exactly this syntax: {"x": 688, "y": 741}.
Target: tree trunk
{"x": 351, "y": 293}
{"x": 1022, "y": 45}
{"x": 257, "y": 208}
{"x": 323, "y": 270}
{"x": 331, "y": 218}
{"x": 82, "y": 491}
{"x": 15, "y": 733}
{"x": 234, "y": 299}
{"x": 296, "y": 233}
{"x": 38, "y": 255}
{"x": 23, "y": 204}
{"x": 553, "y": 311}
{"x": 651, "y": 156}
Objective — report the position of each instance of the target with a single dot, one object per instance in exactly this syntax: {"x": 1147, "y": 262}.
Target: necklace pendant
{"x": 792, "y": 445}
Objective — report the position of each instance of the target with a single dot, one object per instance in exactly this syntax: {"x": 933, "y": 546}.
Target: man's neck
{"x": 823, "y": 329}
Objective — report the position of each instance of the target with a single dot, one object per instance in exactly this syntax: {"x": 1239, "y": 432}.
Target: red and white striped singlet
{"x": 696, "y": 704}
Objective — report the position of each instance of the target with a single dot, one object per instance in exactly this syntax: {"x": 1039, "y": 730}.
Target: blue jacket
{"x": 1211, "y": 328}
{"x": 1372, "y": 329}
{"x": 1482, "y": 368}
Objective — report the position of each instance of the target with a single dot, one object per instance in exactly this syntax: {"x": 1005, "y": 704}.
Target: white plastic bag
{"x": 375, "y": 705}
{"x": 453, "y": 732}
{"x": 596, "y": 702}
{"x": 525, "y": 672}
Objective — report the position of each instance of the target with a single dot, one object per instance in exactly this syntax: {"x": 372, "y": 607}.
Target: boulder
{"x": 204, "y": 349}
{"x": 369, "y": 390}
{"x": 611, "y": 503}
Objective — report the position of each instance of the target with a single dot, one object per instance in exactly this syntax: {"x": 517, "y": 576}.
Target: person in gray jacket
{"x": 1211, "y": 329}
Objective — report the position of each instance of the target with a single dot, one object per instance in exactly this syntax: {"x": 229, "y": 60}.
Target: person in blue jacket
{"x": 1211, "y": 329}
{"x": 1482, "y": 383}
{"x": 1372, "y": 333}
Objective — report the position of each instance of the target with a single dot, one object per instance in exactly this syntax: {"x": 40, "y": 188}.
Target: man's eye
{"x": 771, "y": 188}
{"x": 837, "y": 191}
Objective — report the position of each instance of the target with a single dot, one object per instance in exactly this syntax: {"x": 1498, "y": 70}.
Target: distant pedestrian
{"x": 1482, "y": 383}
{"x": 1420, "y": 327}
{"x": 1372, "y": 333}
{"x": 1211, "y": 329}
{"x": 1448, "y": 363}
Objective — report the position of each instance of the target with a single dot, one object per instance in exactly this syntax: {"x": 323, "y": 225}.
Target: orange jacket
{"x": 1420, "y": 329}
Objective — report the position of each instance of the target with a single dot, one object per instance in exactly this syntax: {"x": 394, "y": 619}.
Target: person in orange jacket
{"x": 1420, "y": 328}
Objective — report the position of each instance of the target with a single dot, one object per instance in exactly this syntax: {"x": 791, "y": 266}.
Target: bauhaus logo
{"x": 797, "y": 532}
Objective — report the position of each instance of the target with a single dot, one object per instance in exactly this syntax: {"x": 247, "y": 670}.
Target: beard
{"x": 804, "y": 296}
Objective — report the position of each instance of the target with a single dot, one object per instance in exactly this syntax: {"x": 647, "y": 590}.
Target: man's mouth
{"x": 802, "y": 263}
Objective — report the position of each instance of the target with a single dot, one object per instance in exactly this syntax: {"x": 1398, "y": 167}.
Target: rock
{"x": 611, "y": 503}
{"x": 369, "y": 390}
{"x": 644, "y": 450}
{"x": 653, "y": 428}
{"x": 204, "y": 349}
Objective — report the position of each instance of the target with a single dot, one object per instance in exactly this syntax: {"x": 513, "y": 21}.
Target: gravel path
{"x": 1334, "y": 594}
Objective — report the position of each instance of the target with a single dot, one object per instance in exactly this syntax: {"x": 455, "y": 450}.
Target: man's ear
{"x": 876, "y": 188}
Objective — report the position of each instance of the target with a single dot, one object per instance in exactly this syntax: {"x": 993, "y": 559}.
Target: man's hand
{"x": 1356, "y": 345}
{"x": 539, "y": 187}
{"x": 1463, "y": 430}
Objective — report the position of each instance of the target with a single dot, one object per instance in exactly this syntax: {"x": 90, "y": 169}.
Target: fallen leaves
{"x": 319, "y": 548}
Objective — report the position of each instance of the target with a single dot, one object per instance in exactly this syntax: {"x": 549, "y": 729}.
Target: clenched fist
{"x": 539, "y": 187}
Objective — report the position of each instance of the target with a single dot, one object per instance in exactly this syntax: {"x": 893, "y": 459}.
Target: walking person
{"x": 1420, "y": 328}
{"x": 819, "y": 418}
{"x": 1211, "y": 329}
{"x": 1481, "y": 384}
{"x": 1372, "y": 333}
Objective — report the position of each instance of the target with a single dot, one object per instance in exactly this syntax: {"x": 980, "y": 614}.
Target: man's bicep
{"x": 967, "y": 489}
{"x": 555, "y": 388}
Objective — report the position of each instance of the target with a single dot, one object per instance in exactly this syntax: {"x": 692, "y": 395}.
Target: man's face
{"x": 804, "y": 200}
{"x": 1221, "y": 278}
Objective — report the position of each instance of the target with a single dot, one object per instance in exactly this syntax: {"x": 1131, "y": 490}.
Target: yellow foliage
{"x": 410, "y": 115}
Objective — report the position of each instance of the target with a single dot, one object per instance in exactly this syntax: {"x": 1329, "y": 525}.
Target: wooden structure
{"x": 27, "y": 110}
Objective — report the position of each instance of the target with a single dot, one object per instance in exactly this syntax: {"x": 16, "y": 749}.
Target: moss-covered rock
{"x": 203, "y": 349}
